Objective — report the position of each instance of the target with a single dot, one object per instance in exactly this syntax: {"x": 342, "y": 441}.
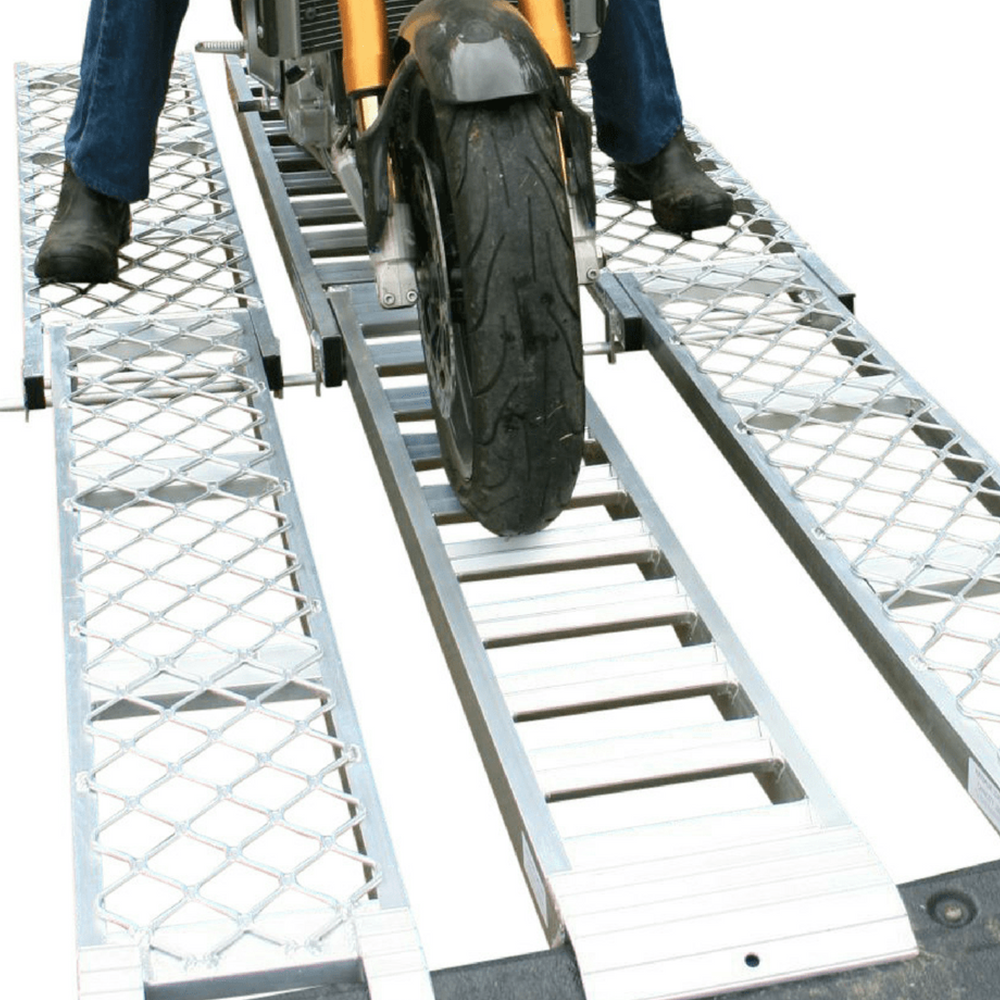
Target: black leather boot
{"x": 684, "y": 197}
{"x": 83, "y": 240}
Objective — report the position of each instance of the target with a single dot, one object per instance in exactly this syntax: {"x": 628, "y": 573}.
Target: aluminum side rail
{"x": 228, "y": 838}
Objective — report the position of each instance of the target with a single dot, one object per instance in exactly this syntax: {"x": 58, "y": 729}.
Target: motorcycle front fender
{"x": 471, "y": 51}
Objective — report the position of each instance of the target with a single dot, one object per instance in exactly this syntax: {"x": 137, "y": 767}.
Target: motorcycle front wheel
{"x": 499, "y": 308}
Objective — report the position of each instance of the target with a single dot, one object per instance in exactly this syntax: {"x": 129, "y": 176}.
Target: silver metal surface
{"x": 110, "y": 972}
{"x": 588, "y": 258}
{"x": 323, "y": 332}
{"x": 221, "y": 831}
{"x": 393, "y": 957}
{"x": 232, "y": 47}
{"x": 893, "y": 507}
{"x": 659, "y": 674}
{"x": 227, "y": 833}
{"x": 618, "y": 718}
{"x": 631, "y": 240}
{"x": 187, "y": 253}
{"x": 395, "y": 260}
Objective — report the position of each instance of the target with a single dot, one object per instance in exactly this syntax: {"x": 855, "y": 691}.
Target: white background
{"x": 871, "y": 127}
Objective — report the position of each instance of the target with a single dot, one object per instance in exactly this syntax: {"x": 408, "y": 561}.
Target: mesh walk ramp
{"x": 228, "y": 835}
{"x": 891, "y": 505}
{"x": 667, "y": 820}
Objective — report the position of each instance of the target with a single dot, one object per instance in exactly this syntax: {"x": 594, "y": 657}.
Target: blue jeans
{"x": 129, "y": 48}
{"x": 637, "y": 110}
{"x": 127, "y": 54}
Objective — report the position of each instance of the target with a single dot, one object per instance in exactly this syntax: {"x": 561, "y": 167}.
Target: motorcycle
{"x": 450, "y": 125}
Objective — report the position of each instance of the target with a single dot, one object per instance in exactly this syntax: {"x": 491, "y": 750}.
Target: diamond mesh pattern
{"x": 226, "y": 832}
{"x": 187, "y": 252}
{"x": 886, "y": 473}
{"x": 631, "y": 240}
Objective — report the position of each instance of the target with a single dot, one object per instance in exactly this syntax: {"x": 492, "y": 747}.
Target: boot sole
{"x": 679, "y": 220}
{"x": 76, "y": 270}
{"x": 686, "y": 221}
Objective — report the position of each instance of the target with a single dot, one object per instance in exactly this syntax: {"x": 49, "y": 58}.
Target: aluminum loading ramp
{"x": 228, "y": 835}
{"x": 891, "y": 506}
{"x": 571, "y": 650}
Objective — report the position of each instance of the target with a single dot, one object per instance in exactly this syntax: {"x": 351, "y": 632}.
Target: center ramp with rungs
{"x": 228, "y": 835}
{"x": 667, "y": 819}
{"x": 666, "y": 816}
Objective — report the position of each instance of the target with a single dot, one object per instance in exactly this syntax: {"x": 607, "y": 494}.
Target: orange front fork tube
{"x": 366, "y": 46}
{"x": 548, "y": 21}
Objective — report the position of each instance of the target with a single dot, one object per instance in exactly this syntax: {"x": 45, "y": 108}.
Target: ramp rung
{"x": 582, "y": 612}
{"x": 596, "y": 485}
{"x": 625, "y": 541}
{"x": 411, "y": 402}
{"x": 346, "y": 239}
{"x": 404, "y": 357}
{"x": 310, "y": 182}
{"x": 293, "y": 159}
{"x": 682, "y": 672}
{"x": 424, "y": 451}
{"x": 956, "y": 570}
{"x": 677, "y": 875}
{"x": 344, "y": 272}
{"x": 717, "y": 829}
{"x": 654, "y": 758}
{"x": 830, "y": 402}
{"x": 324, "y": 211}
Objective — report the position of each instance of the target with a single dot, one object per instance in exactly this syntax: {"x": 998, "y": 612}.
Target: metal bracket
{"x": 395, "y": 275}
{"x": 623, "y": 320}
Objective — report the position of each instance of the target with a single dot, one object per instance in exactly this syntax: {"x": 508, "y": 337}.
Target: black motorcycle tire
{"x": 515, "y": 311}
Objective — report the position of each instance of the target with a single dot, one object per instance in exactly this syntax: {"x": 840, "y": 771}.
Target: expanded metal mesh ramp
{"x": 890, "y": 504}
{"x": 665, "y": 815}
{"x": 228, "y": 835}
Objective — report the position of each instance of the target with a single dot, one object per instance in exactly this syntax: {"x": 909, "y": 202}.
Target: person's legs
{"x": 639, "y": 121}
{"x": 637, "y": 109}
{"x": 124, "y": 74}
